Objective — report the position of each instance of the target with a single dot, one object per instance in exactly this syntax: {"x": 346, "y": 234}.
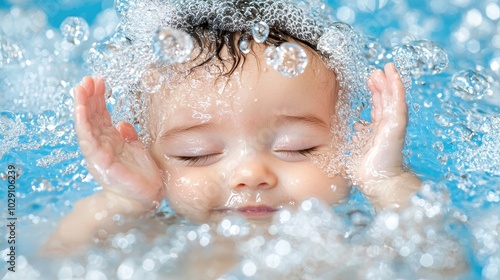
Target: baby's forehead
{"x": 201, "y": 87}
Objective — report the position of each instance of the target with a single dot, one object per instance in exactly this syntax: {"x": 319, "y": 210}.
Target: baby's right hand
{"x": 115, "y": 156}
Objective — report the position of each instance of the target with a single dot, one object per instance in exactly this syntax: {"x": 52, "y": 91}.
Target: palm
{"x": 382, "y": 155}
{"x": 115, "y": 156}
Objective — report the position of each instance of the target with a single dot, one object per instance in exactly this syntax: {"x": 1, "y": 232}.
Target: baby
{"x": 230, "y": 134}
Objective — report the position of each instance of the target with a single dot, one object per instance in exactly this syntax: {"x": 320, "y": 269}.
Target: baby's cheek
{"x": 310, "y": 182}
{"x": 191, "y": 196}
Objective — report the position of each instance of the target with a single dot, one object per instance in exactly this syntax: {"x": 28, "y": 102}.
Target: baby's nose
{"x": 253, "y": 173}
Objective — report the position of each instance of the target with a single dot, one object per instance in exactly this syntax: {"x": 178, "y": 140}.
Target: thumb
{"x": 127, "y": 132}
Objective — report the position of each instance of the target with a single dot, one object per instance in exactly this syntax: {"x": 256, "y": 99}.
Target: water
{"x": 452, "y": 143}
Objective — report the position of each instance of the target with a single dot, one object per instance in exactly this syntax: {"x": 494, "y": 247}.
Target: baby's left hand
{"x": 380, "y": 173}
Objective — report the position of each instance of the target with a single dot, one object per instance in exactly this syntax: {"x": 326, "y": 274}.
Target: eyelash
{"x": 304, "y": 152}
{"x": 197, "y": 159}
{"x": 205, "y": 158}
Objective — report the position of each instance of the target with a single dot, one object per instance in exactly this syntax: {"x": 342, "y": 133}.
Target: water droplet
{"x": 260, "y": 31}
{"x": 75, "y": 30}
{"x": 244, "y": 46}
{"x": 172, "y": 46}
{"x": 470, "y": 85}
{"x": 438, "y": 146}
{"x": 289, "y": 59}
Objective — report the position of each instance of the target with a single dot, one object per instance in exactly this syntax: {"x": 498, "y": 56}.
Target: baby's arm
{"x": 381, "y": 175}
{"x": 131, "y": 181}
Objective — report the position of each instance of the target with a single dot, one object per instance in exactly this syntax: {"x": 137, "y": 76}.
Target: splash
{"x": 470, "y": 85}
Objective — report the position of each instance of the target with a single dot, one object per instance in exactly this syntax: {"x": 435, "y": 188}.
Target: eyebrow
{"x": 308, "y": 119}
{"x": 186, "y": 128}
{"x": 280, "y": 119}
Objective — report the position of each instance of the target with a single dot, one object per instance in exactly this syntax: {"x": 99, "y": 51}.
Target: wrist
{"x": 392, "y": 192}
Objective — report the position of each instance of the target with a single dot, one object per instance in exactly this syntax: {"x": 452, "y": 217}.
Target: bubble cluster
{"x": 172, "y": 46}
{"x": 289, "y": 59}
{"x": 75, "y": 30}
{"x": 140, "y": 21}
{"x": 341, "y": 44}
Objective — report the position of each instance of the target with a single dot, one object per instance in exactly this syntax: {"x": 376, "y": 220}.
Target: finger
{"x": 80, "y": 96}
{"x": 88, "y": 84}
{"x": 376, "y": 100}
{"x": 361, "y": 125}
{"x": 83, "y": 129}
{"x": 127, "y": 131}
{"x": 396, "y": 86}
{"x": 379, "y": 80}
{"x": 100, "y": 90}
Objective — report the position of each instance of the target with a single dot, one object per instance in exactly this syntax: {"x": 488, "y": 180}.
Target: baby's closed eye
{"x": 200, "y": 160}
{"x": 295, "y": 155}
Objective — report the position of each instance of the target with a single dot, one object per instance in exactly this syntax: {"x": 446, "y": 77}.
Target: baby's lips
{"x": 257, "y": 211}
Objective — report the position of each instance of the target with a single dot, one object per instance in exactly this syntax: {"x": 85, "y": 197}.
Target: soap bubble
{"x": 470, "y": 84}
{"x": 260, "y": 31}
{"x": 75, "y": 30}
{"x": 289, "y": 59}
{"x": 244, "y": 46}
{"x": 171, "y": 45}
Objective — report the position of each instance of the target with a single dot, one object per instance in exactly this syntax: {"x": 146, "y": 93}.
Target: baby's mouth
{"x": 259, "y": 211}
{"x": 252, "y": 211}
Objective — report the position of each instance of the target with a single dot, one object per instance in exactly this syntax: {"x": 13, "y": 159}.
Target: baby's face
{"x": 246, "y": 146}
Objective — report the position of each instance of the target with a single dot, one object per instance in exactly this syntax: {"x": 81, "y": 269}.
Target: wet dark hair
{"x": 214, "y": 42}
